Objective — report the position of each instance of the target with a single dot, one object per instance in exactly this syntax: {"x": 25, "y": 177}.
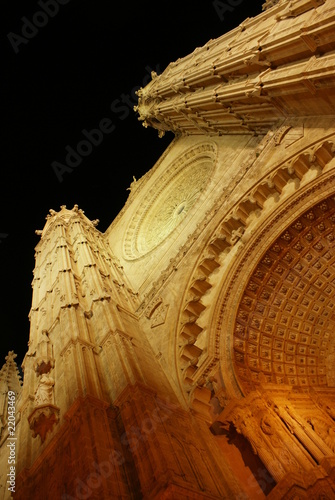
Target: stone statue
{"x": 44, "y": 391}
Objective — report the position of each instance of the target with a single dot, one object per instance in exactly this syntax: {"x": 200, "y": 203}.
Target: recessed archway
{"x": 210, "y": 333}
{"x": 285, "y": 321}
{"x": 276, "y": 316}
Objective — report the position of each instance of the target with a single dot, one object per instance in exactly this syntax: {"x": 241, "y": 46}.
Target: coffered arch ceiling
{"x": 260, "y": 304}
{"x": 275, "y": 313}
{"x": 284, "y": 330}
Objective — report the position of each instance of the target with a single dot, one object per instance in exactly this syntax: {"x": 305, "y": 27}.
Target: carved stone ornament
{"x": 44, "y": 360}
{"x": 157, "y": 313}
{"x": 322, "y": 428}
{"x": 42, "y": 420}
{"x": 294, "y": 283}
{"x": 171, "y": 198}
{"x": 44, "y": 391}
{"x": 269, "y": 3}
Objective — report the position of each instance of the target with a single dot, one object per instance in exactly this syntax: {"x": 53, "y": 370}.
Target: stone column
{"x": 304, "y": 432}
{"x": 278, "y": 449}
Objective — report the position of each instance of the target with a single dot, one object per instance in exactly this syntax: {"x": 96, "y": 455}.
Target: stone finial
{"x": 63, "y": 216}
{"x": 269, "y": 3}
{"x": 9, "y": 373}
{"x": 132, "y": 185}
{"x": 11, "y": 356}
{"x": 10, "y": 380}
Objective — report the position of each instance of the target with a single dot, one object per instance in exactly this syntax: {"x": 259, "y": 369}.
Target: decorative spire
{"x": 65, "y": 214}
{"x": 10, "y": 378}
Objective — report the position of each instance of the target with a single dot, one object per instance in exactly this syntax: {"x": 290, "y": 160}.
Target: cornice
{"x": 247, "y": 80}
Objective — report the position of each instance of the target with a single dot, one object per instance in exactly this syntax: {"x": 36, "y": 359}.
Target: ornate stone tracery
{"x": 317, "y": 159}
{"x": 170, "y": 200}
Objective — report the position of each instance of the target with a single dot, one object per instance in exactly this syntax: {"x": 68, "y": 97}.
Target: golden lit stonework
{"x": 168, "y": 202}
{"x": 188, "y": 352}
{"x": 286, "y": 318}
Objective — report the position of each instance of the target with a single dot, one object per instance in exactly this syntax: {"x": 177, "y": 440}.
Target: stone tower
{"x": 188, "y": 352}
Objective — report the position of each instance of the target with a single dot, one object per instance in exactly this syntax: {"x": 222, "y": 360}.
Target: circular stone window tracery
{"x": 170, "y": 200}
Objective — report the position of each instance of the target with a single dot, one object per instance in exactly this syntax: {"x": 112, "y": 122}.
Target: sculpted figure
{"x": 44, "y": 391}
{"x": 326, "y": 433}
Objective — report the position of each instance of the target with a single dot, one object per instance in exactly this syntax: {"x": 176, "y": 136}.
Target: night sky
{"x": 68, "y": 67}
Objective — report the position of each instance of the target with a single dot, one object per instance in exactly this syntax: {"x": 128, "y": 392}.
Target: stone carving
{"x": 42, "y": 420}
{"x": 218, "y": 392}
{"x": 44, "y": 391}
{"x": 45, "y": 413}
{"x": 324, "y": 430}
{"x": 219, "y": 244}
{"x": 294, "y": 308}
{"x": 272, "y": 434}
{"x": 44, "y": 356}
{"x": 288, "y": 135}
{"x": 159, "y": 315}
{"x": 170, "y": 200}
{"x": 247, "y": 424}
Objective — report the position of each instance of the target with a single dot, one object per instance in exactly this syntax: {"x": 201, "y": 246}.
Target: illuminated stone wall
{"x": 188, "y": 352}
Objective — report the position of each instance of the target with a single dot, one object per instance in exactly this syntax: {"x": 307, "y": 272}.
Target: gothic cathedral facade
{"x": 188, "y": 352}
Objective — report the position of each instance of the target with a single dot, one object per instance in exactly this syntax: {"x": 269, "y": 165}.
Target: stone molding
{"x": 233, "y": 230}
{"x": 172, "y": 196}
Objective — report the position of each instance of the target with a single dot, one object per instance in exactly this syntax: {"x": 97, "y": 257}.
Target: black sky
{"x": 81, "y": 66}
